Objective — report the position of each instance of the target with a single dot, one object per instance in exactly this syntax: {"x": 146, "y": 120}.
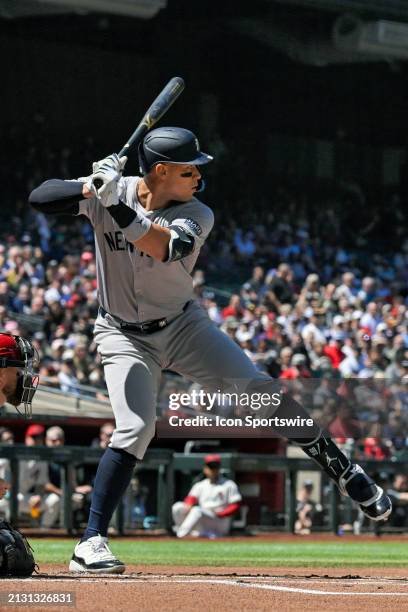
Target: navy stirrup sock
{"x": 114, "y": 472}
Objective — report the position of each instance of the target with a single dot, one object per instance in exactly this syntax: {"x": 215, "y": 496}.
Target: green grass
{"x": 240, "y": 554}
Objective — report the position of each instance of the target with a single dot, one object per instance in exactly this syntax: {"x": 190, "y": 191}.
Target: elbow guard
{"x": 181, "y": 244}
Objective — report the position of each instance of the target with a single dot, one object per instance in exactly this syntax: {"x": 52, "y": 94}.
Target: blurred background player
{"x": 398, "y": 492}
{"x": 305, "y": 509}
{"x": 55, "y": 437}
{"x": 6, "y": 437}
{"x": 208, "y": 509}
{"x": 35, "y": 497}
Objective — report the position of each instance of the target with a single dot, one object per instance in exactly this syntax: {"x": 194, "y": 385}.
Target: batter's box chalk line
{"x": 242, "y": 583}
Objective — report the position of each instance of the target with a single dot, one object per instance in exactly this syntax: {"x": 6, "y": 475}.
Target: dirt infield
{"x": 152, "y": 588}
{"x": 182, "y": 588}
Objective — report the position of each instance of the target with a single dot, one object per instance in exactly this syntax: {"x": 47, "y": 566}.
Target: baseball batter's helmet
{"x": 18, "y": 352}
{"x": 170, "y": 145}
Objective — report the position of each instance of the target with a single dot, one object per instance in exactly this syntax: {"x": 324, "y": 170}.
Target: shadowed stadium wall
{"x": 87, "y": 78}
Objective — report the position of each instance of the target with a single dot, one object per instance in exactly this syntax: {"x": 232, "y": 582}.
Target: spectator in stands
{"x": 312, "y": 293}
{"x": 244, "y": 243}
{"x": 345, "y": 425}
{"x": 6, "y": 437}
{"x": 82, "y": 363}
{"x": 280, "y": 290}
{"x": 68, "y": 381}
{"x": 4, "y": 505}
{"x": 208, "y": 509}
{"x": 333, "y": 350}
{"x": 135, "y": 503}
{"x": 314, "y": 330}
{"x": 371, "y": 397}
{"x": 252, "y": 289}
{"x": 347, "y": 289}
{"x": 55, "y": 437}
{"x": 298, "y": 368}
{"x": 105, "y": 434}
{"x": 33, "y": 498}
{"x": 305, "y": 509}
{"x": 34, "y": 435}
{"x": 375, "y": 446}
{"x": 367, "y": 292}
{"x": 21, "y": 303}
{"x": 234, "y": 308}
{"x": 398, "y": 493}
{"x": 370, "y": 318}
{"x": 285, "y": 358}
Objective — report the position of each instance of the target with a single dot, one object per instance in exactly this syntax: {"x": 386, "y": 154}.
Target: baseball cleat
{"x": 362, "y": 489}
{"x": 94, "y": 556}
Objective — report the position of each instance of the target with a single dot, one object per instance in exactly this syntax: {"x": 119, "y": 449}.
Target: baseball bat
{"x": 156, "y": 110}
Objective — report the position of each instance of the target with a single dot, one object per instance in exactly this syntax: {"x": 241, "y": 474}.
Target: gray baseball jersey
{"x": 132, "y": 285}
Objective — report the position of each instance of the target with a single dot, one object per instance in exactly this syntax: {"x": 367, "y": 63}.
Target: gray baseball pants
{"x": 190, "y": 345}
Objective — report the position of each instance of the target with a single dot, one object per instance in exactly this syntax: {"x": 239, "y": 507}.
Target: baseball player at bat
{"x": 148, "y": 233}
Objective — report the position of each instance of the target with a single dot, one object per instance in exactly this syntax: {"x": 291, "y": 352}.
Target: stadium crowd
{"x": 324, "y": 300}
{"x": 40, "y": 491}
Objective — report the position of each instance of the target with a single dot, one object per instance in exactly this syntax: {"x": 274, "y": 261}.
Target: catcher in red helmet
{"x": 18, "y": 383}
{"x": 18, "y": 380}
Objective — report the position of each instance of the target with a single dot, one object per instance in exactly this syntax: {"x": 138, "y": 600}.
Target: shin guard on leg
{"x": 350, "y": 478}
{"x": 328, "y": 455}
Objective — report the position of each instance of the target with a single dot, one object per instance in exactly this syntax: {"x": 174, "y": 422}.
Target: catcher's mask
{"x": 18, "y": 352}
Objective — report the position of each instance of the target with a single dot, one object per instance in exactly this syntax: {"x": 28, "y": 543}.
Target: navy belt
{"x": 150, "y": 327}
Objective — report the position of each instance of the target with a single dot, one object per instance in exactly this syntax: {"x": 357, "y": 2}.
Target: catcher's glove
{"x": 16, "y": 556}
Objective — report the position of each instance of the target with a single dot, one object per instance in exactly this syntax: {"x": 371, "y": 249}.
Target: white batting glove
{"x": 108, "y": 194}
{"x": 112, "y": 161}
{"x": 107, "y": 171}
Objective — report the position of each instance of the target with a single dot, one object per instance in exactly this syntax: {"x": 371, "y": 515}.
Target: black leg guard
{"x": 315, "y": 444}
{"x": 350, "y": 478}
{"x": 327, "y": 454}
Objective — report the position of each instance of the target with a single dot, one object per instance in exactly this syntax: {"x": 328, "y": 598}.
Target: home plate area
{"x": 220, "y": 589}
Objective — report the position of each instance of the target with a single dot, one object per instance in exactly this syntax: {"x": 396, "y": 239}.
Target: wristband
{"x": 134, "y": 225}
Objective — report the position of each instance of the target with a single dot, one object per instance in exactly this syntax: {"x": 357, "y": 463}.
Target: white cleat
{"x": 94, "y": 556}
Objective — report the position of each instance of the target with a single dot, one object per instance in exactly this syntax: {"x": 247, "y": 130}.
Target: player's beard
{"x": 13, "y": 393}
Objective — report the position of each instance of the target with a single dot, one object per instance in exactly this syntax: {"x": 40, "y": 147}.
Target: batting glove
{"x": 112, "y": 161}
{"x": 108, "y": 194}
{"x": 108, "y": 171}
